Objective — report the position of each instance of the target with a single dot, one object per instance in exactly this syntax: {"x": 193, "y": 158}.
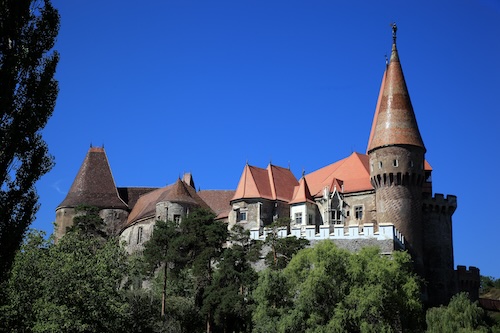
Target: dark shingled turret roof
{"x": 94, "y": 184}
{"x": 394, "y": 122}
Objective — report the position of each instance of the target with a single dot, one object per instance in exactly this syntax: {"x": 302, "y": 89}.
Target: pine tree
{"x": 28, "y": 91}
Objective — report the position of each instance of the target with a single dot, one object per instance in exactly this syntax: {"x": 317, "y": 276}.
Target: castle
{"x": 382, "y": 198}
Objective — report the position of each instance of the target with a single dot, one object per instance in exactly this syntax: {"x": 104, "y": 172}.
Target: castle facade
{"x": 379, "y": 198}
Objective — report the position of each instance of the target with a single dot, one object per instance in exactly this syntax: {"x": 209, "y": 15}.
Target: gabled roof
{"x": 178, "y": 192}
{"x": 273, "y": 183}
{"x": 94, "y": 184}
{"x": 302, "y": 193}
{"x": 218, "y": 200}
{"x": 394, "y": 122}
{"x": 351, "y": 172}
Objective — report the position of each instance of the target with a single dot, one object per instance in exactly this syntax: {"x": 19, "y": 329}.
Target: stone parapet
{"x": 441, "y": 204}
{"x": 337, "y": 232}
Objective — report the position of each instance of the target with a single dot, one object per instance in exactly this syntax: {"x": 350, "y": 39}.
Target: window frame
{"x": 358, "y": 212}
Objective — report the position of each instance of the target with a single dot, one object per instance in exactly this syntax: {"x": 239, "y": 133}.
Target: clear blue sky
{"x": 204, "y": 86}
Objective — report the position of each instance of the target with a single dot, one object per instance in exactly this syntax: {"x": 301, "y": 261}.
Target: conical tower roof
{"x": 394, "y": 122}
{"x": 94, "y": 184}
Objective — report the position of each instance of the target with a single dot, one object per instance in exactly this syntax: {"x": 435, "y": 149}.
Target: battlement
{"x": 441, "y": 204}
{"x": 338, "y": 231}
{"x": 469, "y": 281}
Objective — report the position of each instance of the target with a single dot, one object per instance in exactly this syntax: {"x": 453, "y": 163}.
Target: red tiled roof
{"x": 427, "y": 166}
{"x": 274, "y": 183}
{"x": 302, "y": 193}
{"x": 394, "y": 121}
{"x": 377, "y": 108}
{"x": 352, "y": 172}
{"x": 178, "y": 192}
{"x": 94, "y": 184}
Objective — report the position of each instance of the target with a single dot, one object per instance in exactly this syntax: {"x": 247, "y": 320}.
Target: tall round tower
{"x": 396, "y": 152}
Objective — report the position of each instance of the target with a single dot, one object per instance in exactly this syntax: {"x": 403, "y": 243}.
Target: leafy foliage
{"x": 28, "y": 92}
{"x": 190, "y": 249}
{"x": 460, "y": 316}
{"x": 489, "y": 283}
{"x": 228, "y": 297}
{"x": 326, "y": 289}
{"x": 71, "y": 286}
{"x": 88, "y": 221}
{"x": 282, "y": 249}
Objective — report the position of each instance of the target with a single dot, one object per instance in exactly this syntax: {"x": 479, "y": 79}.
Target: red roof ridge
{"x": 272, "y": 183}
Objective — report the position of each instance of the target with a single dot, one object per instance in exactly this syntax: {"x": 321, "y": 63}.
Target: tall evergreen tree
{"x": 28, "y": 91}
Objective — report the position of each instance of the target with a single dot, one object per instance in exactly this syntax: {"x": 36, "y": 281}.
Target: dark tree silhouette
{"x": 28, "y": 92}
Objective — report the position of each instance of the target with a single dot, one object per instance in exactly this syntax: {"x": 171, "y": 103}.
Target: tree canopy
{"x": 71, "y": 286}
{"x": 459, "y": 316}
{"x": 326, "y": 289}
{"x": 28, "y": 92}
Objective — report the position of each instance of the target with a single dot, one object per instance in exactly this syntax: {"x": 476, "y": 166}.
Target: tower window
{"x": 358, "y": 212}
{"x": 241, "y": 215}
{"x": 310, "y": 219}
{"x": 380, "y": 164}
{"x": 298, "y": 218}
{"x": 411, "y": 164}
{"x": 395, "y": 163}
{"x": 139, "y": 235}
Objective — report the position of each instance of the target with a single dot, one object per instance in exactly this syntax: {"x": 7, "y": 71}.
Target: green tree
{"x": 23, "y": 289}
{"x": 459, "y": 316}
{"x": 28, "y": 92}
{"x": 489, "y": 283}
{"x": 281, "y": 249}
{"x": 88, "y": 221}
{"x": 188, "y": 251}
{"x": 71, "y": 286}
{"x": 201, "y": 244}
{"x": 228, "y": 297}
{"x": 326, "y": 289}
{"x": 161, "y": 251}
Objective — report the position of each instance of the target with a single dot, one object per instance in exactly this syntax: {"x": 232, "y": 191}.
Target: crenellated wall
{"x": 438, "y": 248}
{"x": 388, "y": 238}
{"x": 469, "y": 281}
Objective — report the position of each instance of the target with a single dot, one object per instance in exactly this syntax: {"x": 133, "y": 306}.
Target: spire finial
{"x": 303, "y": 172}
{"x": 394, "y": 31}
